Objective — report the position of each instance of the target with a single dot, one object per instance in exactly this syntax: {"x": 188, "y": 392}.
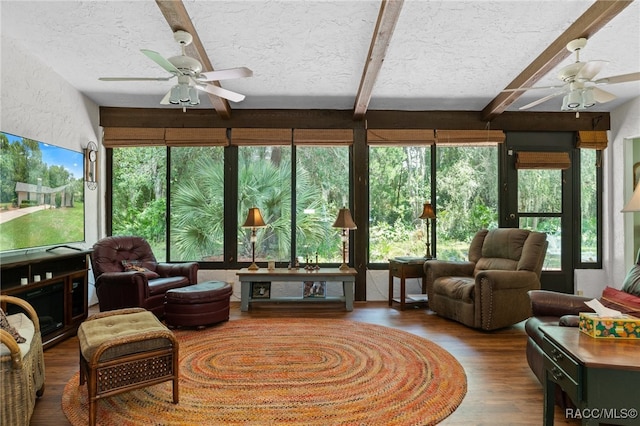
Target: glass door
{"x": 538, "y": 196}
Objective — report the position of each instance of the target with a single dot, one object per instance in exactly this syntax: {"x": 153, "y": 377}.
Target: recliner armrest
{"x": 442, "y": 268}
{"x": 551, "y": 303}
{"x": 113, "y": 288}
{"x": 183, "y": 269}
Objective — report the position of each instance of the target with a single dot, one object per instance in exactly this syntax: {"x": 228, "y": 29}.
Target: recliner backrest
{"x": 510, "y": 249}
{"x": 109, "y": 252}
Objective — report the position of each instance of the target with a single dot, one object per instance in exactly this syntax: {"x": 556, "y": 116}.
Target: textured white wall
{"x": 617, "y": 231}
{"x": 625, "y": 125}
{"x": 40, "y": 105}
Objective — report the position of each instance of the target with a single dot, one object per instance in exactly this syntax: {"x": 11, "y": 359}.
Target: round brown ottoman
{"x": 198, "y": 305}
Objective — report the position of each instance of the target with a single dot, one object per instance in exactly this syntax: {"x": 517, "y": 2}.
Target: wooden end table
{"x": 403, "y": 269}
{"x": 600, "y": 375}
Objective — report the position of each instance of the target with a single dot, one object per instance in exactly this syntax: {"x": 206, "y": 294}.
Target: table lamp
{"x": 254, "y": 221}
{"x": 428, "y": 214}
{"x": 634, "y": 203}
{"x": 345, "y": 222}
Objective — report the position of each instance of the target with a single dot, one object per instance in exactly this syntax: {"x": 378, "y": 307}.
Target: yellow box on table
{"x": 623, "y": 327}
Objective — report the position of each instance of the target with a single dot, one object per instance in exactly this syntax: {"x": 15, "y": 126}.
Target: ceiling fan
{"x": 579, "y": 88}
{"x": 188, "y": 70}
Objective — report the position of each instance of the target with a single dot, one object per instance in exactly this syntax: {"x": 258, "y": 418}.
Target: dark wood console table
{"x": 600, "y": 375}
{"x": 60, "y": 301}
{"x": 263, "y": 275}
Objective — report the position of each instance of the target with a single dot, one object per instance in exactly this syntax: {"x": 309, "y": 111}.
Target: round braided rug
{"x": 291, "y": 371}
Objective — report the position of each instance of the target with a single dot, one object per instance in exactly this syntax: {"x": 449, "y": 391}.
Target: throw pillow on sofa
{"x": 631, "y": 283}
{"x": 134, "y": 265}
{"x": 4, "y": 325}
{"x": 621, "y": 301}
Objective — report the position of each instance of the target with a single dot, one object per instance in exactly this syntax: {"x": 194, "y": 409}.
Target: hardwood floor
{"x": 502, "y": 390}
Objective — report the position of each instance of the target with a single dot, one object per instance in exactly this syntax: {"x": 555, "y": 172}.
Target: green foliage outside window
{"x": 466, "y": 201}
{"x": 399, "y": 183}
{"x": 139, "y": 195}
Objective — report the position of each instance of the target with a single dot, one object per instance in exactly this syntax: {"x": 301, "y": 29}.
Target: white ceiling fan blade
{"x": 590, "y": 70}
{"x": 160, "y": 60}
{"x": 219, "y": 91}
{"x": 602, "y": 96}
{"x": 623, "y": 78}
{"x": 136, "y": 78}
{"x": 541, "y": 100}
{"x": 226, "y": 74}
{"x": 521, "y": 89}
{"x": 165, "y": 100}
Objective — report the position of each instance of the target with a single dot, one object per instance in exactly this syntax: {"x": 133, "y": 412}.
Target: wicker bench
{"x": 123, "y": 350}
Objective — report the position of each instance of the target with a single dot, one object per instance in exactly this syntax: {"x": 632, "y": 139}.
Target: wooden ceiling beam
{"x": 177, "y": 17}
{"x": 387, "y": 19}
{"x": 592, "y": 20}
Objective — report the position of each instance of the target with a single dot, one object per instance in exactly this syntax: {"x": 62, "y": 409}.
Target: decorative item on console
{"x": 428, "y": 214}
{"x": 345, "y": 222}
{"x": 254, "y": 221}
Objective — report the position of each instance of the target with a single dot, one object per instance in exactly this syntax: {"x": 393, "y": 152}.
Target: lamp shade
{"x": 427, "y": 212}
{"x": 634, "y": 203}
{"x": 254, "y": 219}
{"x": 344, "y": 220}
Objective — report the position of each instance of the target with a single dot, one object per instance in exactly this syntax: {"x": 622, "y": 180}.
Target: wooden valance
{"x": 323, "y": 137}
{"x": 400, "y": 137}
{"x": 542, "y": 160}
{"x": 121, "y": 137}
{"x": 592, "y": 140}
{"x": 196, "y": 136}
{"x": 242, "y": 136}
{"x": 469, "y": 137}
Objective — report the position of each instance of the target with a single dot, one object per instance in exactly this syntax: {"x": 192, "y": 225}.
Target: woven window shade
{"x": 592, "y": 140}
{"x": 326, "y": 137}
{"x": 400, "y": 137}
{"x": 543, "y": 160}
{"x": 260, "y": 136}
{"x": 469, "y": 137}
{"x": 196, "y": 137}
{"x": 121, "y": 137}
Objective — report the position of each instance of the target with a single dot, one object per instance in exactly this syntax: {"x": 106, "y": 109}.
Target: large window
{"x": 588, "y": 206}
{"x": 322, "y": 188}
{"x": 400, "y": 184}
{"x": 467, "y": 197}
{"x": 264, "y": 181}
{"x": 197, "y": 204}
{"x": 139, "y": 195}
{"x": 184, "y": 199}
{"x": 540, "y": 209}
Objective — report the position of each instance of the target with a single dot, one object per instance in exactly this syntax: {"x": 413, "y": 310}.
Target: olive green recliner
{"x": 490, "y": 290}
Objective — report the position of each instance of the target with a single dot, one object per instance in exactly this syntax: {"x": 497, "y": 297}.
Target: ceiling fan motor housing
{"x": 186, "y": 64}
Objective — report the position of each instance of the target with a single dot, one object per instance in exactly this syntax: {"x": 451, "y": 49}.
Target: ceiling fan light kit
{"x": 188, "y": 70}
{"x": 184, "y": 95}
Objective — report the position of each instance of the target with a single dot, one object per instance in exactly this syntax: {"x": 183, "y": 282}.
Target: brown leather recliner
{"x": 127, "y": 275}
{"x": 490, "y": 290}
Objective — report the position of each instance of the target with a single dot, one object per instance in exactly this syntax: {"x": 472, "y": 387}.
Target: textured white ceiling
{"x": 444, "y": 54}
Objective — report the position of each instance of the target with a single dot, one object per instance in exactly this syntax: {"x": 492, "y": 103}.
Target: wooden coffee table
{"x": 600, "y": 375}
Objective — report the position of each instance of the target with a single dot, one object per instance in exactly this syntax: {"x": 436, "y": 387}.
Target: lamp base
{"x": 344, "y": 267}
{"x": 253, "y": 267}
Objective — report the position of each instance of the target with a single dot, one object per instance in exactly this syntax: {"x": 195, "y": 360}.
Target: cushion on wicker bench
{"x": 94, "y": 333}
